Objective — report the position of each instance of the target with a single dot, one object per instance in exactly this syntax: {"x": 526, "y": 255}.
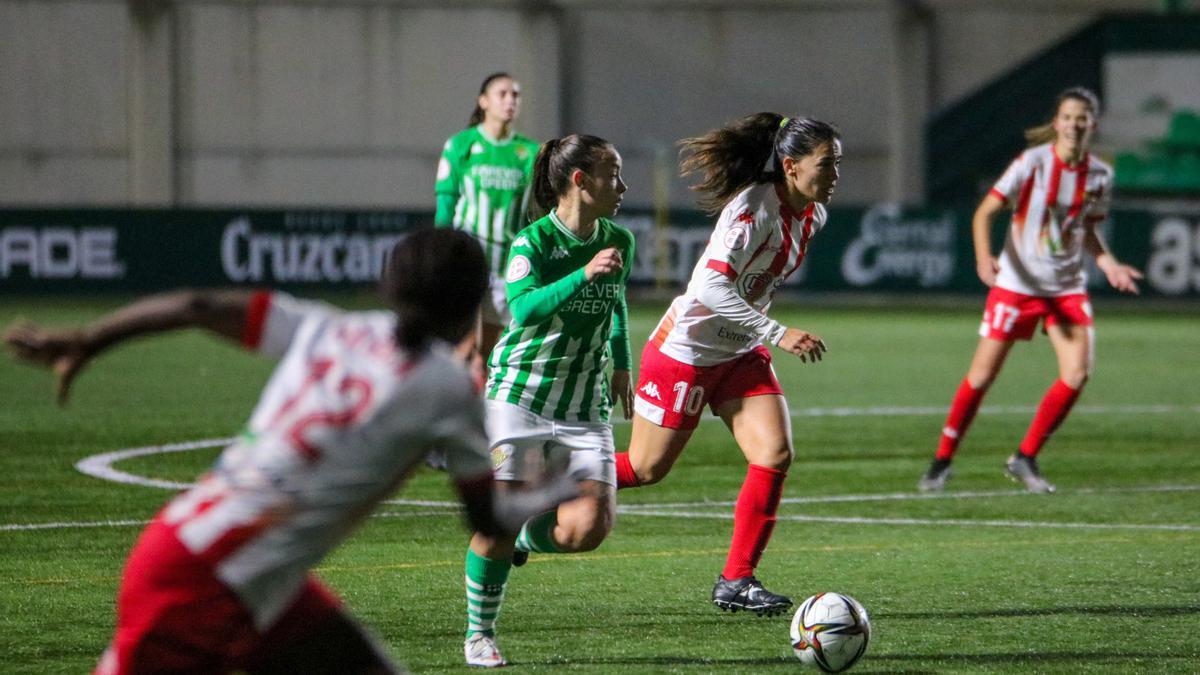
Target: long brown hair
{"x": 477, "y": 113}
{"x": 1044, "y": 133}
{"x": 748, "y": 151}
{"x": 555, "y": 161}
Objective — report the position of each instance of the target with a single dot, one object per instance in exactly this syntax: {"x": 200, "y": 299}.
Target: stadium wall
{"x": 306, "y": 103}
{"x": 881, "y": 249}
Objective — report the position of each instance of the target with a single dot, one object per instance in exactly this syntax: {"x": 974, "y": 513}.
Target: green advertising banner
{"x": 46, "y": 251}
{"x": 883, "y": 248}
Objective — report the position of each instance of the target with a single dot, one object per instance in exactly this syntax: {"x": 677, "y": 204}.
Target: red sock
{"x": 962, "y": 411}
{"x": 1053, "y": 410}
{"x": 626, "y": 477}
{"x": 753, "y": 519}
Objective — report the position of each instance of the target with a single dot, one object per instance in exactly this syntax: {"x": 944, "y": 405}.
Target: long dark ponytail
{"x": 477, "y": 113}
{"x": 434, "y": 280}
{"x": 555, "y": 161}
{"x": 748, "y": 151}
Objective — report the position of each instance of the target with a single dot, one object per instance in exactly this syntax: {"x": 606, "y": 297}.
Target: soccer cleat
{"x": 481, "y": 650}
{"x": 748, "y": 594}
{"x": 935, "y": 478}
{"x": 1025, "y": 469}
{"x": 520, "y": 558}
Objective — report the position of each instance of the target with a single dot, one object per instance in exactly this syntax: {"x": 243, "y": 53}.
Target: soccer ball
{"x": 830, "y": 631}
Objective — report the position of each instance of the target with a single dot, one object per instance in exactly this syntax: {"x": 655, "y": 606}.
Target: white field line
{"x": 917, "y": 496}
{"x": 933, "y": 521}
{"x": 444, "y": 508}
{"x": 101, "y": 466}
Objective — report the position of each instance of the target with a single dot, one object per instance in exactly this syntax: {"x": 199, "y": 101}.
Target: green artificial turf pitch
{"x": 1102, "y": 577}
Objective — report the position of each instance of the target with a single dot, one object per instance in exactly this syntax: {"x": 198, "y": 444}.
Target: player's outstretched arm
{"x": 1120, "y": 276}
{"x": 67, "y": 350}
{"x": 494, "y": 512}
{"x": 986, "y": 265}
{"x": 807, "y": 346}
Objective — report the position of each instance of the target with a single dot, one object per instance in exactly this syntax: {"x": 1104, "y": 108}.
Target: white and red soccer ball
{"x": 830, "y": 632}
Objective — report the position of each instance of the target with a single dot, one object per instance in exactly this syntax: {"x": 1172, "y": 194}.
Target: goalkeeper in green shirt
{"x": 483, "y": 188}
{"x": 548, "y": 399}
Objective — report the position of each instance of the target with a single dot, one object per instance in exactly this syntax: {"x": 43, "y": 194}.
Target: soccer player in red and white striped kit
{"x": 770, "y": 177}
{"x": 220, "y": 581}
{"x": 1060, "y": 195}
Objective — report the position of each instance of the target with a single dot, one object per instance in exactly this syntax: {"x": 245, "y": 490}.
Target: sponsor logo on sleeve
{"x": 521, "y": 241}
{"x": 443, "y": 169}
{"x": 518, "y": 268}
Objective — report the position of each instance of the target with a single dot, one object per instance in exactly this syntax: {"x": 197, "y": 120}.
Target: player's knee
{"x": 585, "y": 537}
{"x": 773, "y": 456}
{"x": 649, "y": 475}
{"x": 1075, "y": 378}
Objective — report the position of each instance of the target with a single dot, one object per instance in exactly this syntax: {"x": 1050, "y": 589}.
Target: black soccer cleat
{"x": 747, "y": 594}
{"x": 935, "y": 478}
{"x": 519, "y": 558}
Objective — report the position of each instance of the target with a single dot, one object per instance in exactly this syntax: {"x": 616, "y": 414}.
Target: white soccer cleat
{"x": 1025, "y": 469}
{"x": 481, "y": 651}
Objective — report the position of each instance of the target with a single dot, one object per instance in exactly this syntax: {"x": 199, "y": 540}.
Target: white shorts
{"x": 525, "y": 445}
{"x": 494, "y": 308}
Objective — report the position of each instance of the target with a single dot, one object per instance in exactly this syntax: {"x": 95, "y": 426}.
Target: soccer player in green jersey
{"x": 548, "y": 401}
{"x": 483, "y": 188}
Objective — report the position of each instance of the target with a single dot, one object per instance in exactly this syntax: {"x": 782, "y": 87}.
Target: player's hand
{"x": 63, "y": 351}
{"x": 607, "y": 261}
{"x": 987, "y": 270}
{"x": 622, "y": 391}
{"x": 807, "y": 346}
{"x": 1123, "y": 277}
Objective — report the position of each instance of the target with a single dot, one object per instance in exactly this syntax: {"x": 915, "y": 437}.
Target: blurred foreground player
{"x": 1060, "y": 195}
{"x": 220, "y": 581}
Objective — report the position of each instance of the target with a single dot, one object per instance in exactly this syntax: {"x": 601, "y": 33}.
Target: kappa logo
{"x": 558, "y": 253}
{"x": 476, "y": 148}
{"x": 651, "y": 391}
{"x": 521, "y": 241}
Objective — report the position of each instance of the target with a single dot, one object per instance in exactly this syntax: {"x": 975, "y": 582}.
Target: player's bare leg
{"x": 652, "y": 452}
{"x": 985, "y": 366}
{"x": 762, "y": 427}
{"x": 1074, "y": 346}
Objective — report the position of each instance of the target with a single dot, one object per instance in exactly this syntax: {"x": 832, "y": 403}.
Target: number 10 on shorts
{"x": 689, "y": 402}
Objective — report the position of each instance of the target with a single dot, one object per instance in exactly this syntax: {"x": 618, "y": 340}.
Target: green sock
{"x": 485, "y": 582}
{"x": 537, "y": 534}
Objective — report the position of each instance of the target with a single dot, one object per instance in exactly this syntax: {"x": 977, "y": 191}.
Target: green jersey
{"x": 483, "y": 188}
{"x": 552, "y": 357}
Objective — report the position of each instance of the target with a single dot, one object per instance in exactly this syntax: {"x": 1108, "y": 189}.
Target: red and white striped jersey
{"x": 342, "y": 420}
{"x": 758, "y": 242}
{"x": 1052, "y": 205}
